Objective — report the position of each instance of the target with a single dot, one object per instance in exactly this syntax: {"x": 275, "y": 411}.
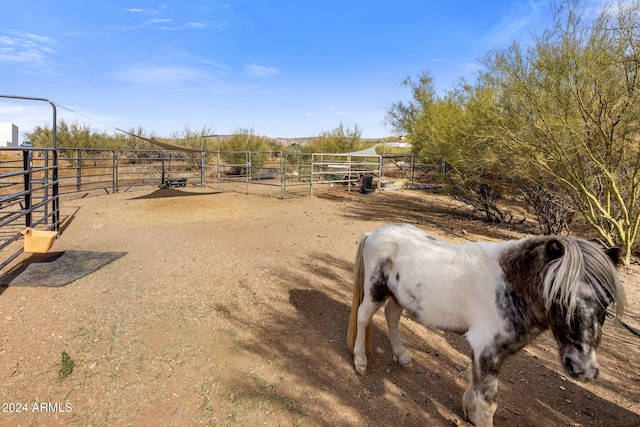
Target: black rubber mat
{"x": 57, "y": 268}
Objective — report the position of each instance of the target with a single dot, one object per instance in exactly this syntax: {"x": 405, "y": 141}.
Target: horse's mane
{"x": 582, "y": 260}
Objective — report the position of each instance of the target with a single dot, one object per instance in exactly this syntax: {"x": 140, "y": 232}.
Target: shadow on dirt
{"x": 453, "y": 218}
{"x": 172, "y": 192}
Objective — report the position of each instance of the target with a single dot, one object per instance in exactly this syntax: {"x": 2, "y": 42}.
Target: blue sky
{"x": 282, "y": 68}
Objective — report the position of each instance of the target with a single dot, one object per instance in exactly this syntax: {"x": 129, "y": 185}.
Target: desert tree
{"x": 71, "y": 135}
{"x": 242, "y": 142}
{"x": 342, "y": 139}
{"x": 416, "y": 117}
{"x": 568, "y": 106}
{"x": 457, "y": 126}
{"x": 73, "y": 140}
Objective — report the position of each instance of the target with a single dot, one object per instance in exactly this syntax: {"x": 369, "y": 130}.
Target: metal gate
{"x": 28, "y": 196}
{"x": 306, "y": 173}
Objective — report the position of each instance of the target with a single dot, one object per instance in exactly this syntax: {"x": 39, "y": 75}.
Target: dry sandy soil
{"x": 231, "y": 309}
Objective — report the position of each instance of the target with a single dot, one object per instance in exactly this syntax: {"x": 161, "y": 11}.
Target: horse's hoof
{"x": 404, "y": 361}
{"x": 362, "y": 370}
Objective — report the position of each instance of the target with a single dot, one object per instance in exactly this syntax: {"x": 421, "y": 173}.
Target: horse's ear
{"x": 554, "y": 249}
{"x": 615, "y": 254}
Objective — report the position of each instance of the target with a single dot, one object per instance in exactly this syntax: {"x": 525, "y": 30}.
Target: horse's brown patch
{"x": 379, "y": 278}
{"x": 521, "y": 299}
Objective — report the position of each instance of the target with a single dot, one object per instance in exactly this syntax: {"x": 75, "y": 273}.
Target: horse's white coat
{"x": 461, "y": 294}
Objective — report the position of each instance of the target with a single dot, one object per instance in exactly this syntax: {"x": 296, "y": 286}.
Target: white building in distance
{"x": 8, "y": 135}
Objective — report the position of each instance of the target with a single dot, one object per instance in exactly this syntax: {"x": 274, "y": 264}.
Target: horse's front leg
{"x": 365, "y": 313}
{"x": 478, "y": 400}
{"x": 392, "y": 312}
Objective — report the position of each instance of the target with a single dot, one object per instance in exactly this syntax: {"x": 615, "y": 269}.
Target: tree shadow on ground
{"x": 449, "y": 216}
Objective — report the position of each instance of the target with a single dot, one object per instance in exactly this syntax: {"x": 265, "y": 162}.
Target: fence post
{"x": 46, "y": 184}
{"x": 283, "y": 173}
{"x": 413, "y": 168}
{"x": 349, "y": 160}
{"x": 218, "y": 165}
{"x": 247, "y": 164}
{"x": 115, "y": 171}
{"x": 55, "y": 205}
{"x": 26, "y": 167}
{"x": 79, "y": 170}
{"x": 162, "y": 168}
{"x": 311, "y": 173}
{"x": 202, "y": 167}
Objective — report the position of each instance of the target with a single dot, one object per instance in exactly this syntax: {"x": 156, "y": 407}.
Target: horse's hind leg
{"x": 365, "y": 313}
{"x": 392, "y": 312}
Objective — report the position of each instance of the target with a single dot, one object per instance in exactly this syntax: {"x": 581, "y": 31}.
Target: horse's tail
{"x": 358, "y": 295}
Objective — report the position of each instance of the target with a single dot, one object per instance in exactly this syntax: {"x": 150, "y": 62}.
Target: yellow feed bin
{"x": 38, "y": 241}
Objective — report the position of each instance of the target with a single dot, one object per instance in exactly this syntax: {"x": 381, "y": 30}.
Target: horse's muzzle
{"x": 579, "y": 370}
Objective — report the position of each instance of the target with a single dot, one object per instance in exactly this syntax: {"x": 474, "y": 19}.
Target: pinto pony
{"x": 499, "y": 295}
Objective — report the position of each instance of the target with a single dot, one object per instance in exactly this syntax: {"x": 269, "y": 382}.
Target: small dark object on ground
{"x": 173, "y": 182}
{"x": 366, "y": 187}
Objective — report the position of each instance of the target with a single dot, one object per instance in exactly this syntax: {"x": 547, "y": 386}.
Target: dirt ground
{"x": 231, "y": 309}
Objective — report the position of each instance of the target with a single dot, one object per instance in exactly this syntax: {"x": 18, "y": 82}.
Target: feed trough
{"x": 38, "y": 241}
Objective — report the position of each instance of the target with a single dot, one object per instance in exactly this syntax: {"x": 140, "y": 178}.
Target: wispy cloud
{"x": 261, "y": 72}
{"x": 80, "y": 33}
{"x": 159, "y": 21}
{"x": 171, "y": 24}
{"x": 26, "y": 48}
{"x": 209, "y": 65}
{"x": 176, "y": 77}
{"x": 514, "y": 22}
{"x": 160, "y": 75}
{"x": 333, "y": 112}
{"x": 136, "y": 10}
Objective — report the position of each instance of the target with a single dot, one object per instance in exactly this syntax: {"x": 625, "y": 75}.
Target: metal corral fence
{"x": 413, "y": 171}
{"x": 83, "y": 170}
{"x": 29, "y": 196}
{"x": 240, "y": 169}
{"x": 284, "y": 172}
{"x": 305, "y": 173}
{"x": 33, "y": 179}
